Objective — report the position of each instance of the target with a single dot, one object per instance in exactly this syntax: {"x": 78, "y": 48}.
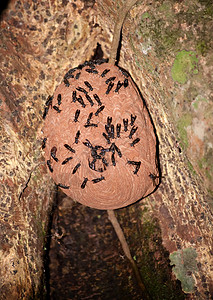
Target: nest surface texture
{"x": 99, "y": 143}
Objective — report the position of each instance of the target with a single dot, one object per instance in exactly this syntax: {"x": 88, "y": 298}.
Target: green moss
{"x": 146, "y": 15}
{"x": 206, "y": 164}
{"x": 145, "y": 243}
{"x": 184, "y": 66}
{"x": 185, "y": 264}
{"x": 167, "y": 10}
{"x": 190, "y": 166}
{"x": 197, "y": 101}
{"x": 202, "y": 48}
{"x": 182, "y": 125}
{"x": 208, "y": 7}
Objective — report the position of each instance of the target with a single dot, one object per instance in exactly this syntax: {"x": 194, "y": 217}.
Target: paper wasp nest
{"x": 99, "y": 142}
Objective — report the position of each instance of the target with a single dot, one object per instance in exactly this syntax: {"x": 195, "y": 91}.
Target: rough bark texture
{"x": 167, "y": 48}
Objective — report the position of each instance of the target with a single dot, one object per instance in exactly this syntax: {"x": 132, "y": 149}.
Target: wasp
{"x": 109, "y": 121}
{"x": 118, "y": 150}
{"x": 106, "y": 137}
{"x": 48, "y": 104}
{"x": 112, "y": 148}
{"x": 49, "y": 101}
{"x": 43, "y": 145}
{"x": 77, "y": 113}
{"x": 94, "y": 154}
{"x": 53, "y": 153}
{"x": 91, "y": 64}
{"x": 88, "y": 144}
{"x": 57, "y": 109}
{"x": 89, "y": 118}
{"x": 124, "y": 72}
{"x": 92, "y": 164}
{"x": 89, "y": 99}
{"x": 69, "y": 73}
{"x": 98, "y": 179}
{"x": 104, "y": 161}
{"x": 154, "y": 177}
{"x": 110, "y": 86}
{"x": 81, "y": 66}
{"x": 112, "y": 132}
{"x": 88, "y": 85}
{"x": 137, "y": 167}
{"x": 118, "y": 130}
{"x": 132, "y": 131}
{"x": 133, "y": 118}
{"x": 125, "y": 121}
{"x": 104, "y": 150}
{"x": 107, "y": 129}
{"x": 76, "y": 168}
{"x": 49, "y": 166}
{"x": 135, "y": 142}
{"x": 80, "y": 89}
{"x": 59, "y": 99}
{"x": 97, "y": 99}
{"x": 46, "y": 109}
{"x": 81, "y": 101}
{"x": 63, "y": 186}
{"x": 113, "y": 159}
{"x": 99, "y": 110}
{"x": 119, "y": 85}
{"x": 74, "y": 98}
{"x": 84, "y": 183}
{"x": 110, "y": 79}
{"x": 77, "y": 136}
{"x": 91, "y": 71}
{"x": 132, "y": 162}
{"x": 91, "y": 125}
{"x": 100, "y": 61}
{"x": 77, "y": 75}
{"x": 66, "y": 160}
{"x": 126, "y": 83}
{"x": 69, "y": 148}
{"x": 105, "y": 72}
{"x": 66, "y": 82}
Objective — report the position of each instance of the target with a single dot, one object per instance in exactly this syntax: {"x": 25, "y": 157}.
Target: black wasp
{"x": 77, "y": 136}
{"x": 43, "y": 145}
{"x": 132, "y": 131}
{"x": 76, "y": 168}
{"x": 63, "y": 186}
{"x": 125, "y": 121}
{"x": 98, "y": 179}
{"x": 104, "y": 72}
{"x": 77, "y": 113}
{"x": 135, "y": 142}
{"x": 49, "y": 166}
{"x": 110, "y": 86}
{"x": 97, "y": 99}
{"x": 66, "y": 160}
{"x": 88, "y": 85}
{"x": 99, "y": 110}
{"x": 59, "y": 99}
{"x": 118, "y": 129}
{"x": 84, "y": 183}
{"x": 69, "y": 148}
{"x": 53, "y": 153}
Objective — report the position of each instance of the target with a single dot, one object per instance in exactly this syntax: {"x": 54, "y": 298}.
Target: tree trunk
{"x": 167, "y": 48}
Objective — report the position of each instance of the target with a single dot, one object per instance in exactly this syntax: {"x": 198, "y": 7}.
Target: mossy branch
{"x": 121, "y": 15}
{"x": 122, "y": 239}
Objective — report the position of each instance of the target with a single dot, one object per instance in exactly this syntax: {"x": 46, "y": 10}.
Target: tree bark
{"x": 40, "y": 42}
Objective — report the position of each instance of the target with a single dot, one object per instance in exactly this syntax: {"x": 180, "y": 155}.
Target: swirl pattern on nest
{"x": 100, "y": 146}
